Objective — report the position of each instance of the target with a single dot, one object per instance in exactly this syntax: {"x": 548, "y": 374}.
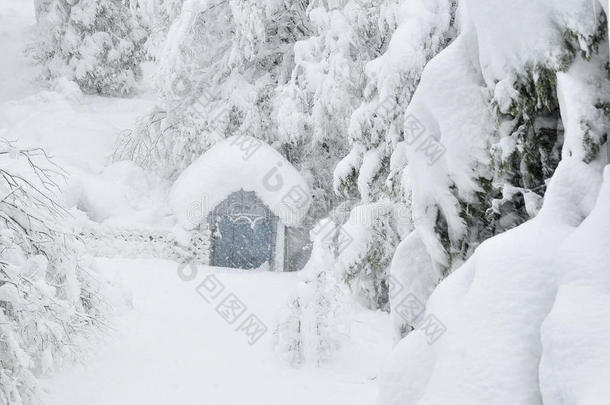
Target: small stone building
{"x": 250, "y": 201}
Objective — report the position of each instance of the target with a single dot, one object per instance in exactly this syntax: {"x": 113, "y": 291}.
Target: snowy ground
{"x": 16, "y": 21}
{"x": 171, "y": 347}
{"x": 78, "y": 131}
{"x": 174, "y": 348}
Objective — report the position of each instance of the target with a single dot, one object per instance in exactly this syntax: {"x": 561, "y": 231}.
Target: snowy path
{"x": 173, "y": 348}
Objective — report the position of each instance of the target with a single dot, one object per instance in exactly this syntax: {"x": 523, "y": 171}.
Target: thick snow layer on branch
{"x": 420, "y": 33}
{"x": 240, "y": 162}
{"x": 580, "y": 91}
{"x": 448, "y": 154}
{"x": 459, "y": 136}
{"x": 505, "y": 49}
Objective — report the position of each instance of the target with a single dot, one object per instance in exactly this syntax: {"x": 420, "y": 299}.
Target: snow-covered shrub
{"x": 315, "y": 321}
{"x": 49, "y": 296}
{"x": 162, "y": 143}
{"x": 96, "y": 43}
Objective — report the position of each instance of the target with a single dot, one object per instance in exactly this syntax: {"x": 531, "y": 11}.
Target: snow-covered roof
{"x": 236, "y": 163}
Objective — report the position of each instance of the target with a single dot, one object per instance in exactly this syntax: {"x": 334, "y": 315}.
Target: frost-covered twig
{"x": 47, "y": 295}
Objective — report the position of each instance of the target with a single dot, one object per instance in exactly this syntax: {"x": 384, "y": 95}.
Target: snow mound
{"x": 122, "y": 194}
{"x": 575, "y": 365}
{"x": 494, "y": 311}
{"x": 411, "y": 269}
{"x": 451, "y": 144}
{"x": 236, "y": 163}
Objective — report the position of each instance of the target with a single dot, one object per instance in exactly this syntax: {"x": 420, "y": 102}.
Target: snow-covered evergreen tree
{"x": 530, "y": 104}
{"x": 327, "y": 83}
{"x": 472, "y": 171}
{"x": 499, "y": 130}
{"x": 157, "y": 17}
{"x": 96, "y": 43}
{"x": 217, "y": 74}
{"x": 415, "y": 31}
{"x": 388, "y": 75}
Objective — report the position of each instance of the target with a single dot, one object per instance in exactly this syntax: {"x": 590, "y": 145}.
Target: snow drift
{"x": 494, "y": 307}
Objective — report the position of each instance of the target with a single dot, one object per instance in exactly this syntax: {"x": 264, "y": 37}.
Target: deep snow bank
{"x": 494, "y": 306}
{"x": 575, "y": 366}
